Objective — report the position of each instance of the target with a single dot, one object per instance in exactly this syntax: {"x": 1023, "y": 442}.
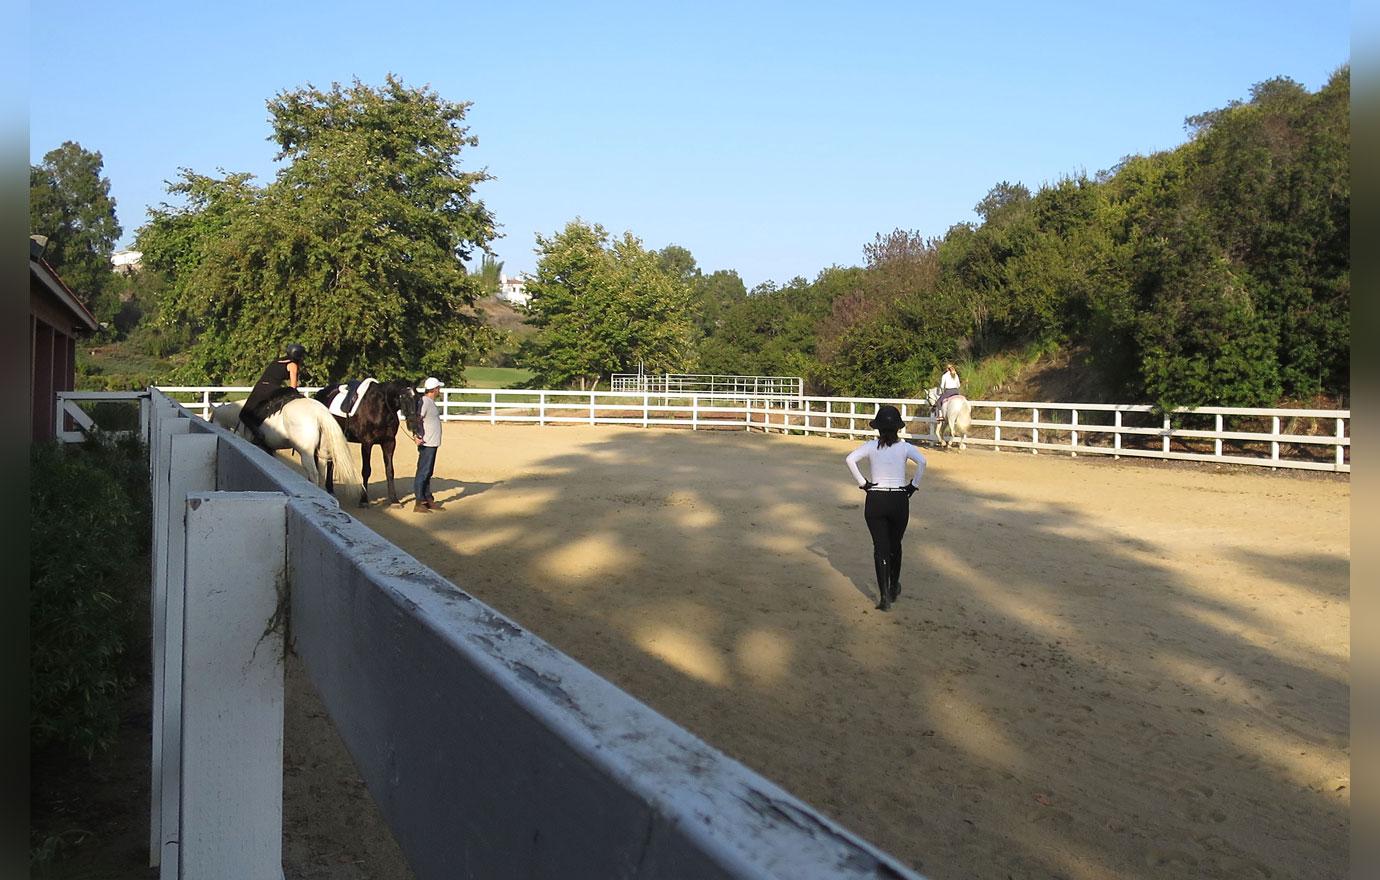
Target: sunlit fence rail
{"x": 488, "y": 752}
{"x": 1284, "y": 438}
{"x": 707, "y": 383}
{"x": 1311, "y": 439}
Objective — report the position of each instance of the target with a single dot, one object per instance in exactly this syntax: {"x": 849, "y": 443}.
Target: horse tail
{"x": 964, "y": 419}
{"x": 349, "y": 484}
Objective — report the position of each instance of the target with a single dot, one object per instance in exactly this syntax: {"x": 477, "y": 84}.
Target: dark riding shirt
{"x": 275, "y": 374}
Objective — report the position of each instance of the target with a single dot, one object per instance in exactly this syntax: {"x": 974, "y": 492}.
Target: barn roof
{"x": 48, "y": 278}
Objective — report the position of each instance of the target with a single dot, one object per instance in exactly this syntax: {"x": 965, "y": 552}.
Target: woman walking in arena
{"x": 887, "y": 508}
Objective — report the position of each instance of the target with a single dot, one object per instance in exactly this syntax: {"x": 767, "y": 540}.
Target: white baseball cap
{"x": 430, "y": 383}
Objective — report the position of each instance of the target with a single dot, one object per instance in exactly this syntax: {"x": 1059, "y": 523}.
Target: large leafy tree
{"x": 602, "y": 305}
{"x": 355, "y": 249}
{"x": 69, "y": 201}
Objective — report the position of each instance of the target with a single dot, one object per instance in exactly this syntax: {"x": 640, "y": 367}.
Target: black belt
{"x": 887, "y": 489}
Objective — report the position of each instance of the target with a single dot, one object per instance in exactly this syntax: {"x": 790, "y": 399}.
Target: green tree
{"x": 355, "y": 250}
{"x": 601, "y": 306}
{"x": 489, "y": 275}
{"x": 70, "y": 203}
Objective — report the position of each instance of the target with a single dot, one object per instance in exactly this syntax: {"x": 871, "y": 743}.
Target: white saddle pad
{"x": 340, "y": 399}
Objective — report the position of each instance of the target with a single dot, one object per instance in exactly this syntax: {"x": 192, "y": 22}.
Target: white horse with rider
{"x": 306, "y": 427}
{"x": 949, "y": 409}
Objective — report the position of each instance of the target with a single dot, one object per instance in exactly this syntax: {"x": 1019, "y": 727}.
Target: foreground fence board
{"x": 491, "y": 754}
{"x": 232, "y": 702}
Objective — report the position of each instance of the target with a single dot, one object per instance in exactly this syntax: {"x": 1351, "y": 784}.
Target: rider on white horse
{"x": 264, "y": 400}
{"x": 949, "y": 385}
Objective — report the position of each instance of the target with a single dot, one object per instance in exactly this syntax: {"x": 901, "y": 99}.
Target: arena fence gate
{"x": 488, "y": 752}
{"x": 1310, "y": 439}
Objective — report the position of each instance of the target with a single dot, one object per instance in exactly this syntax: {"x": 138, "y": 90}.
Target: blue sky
{"x": 775, "y": 139}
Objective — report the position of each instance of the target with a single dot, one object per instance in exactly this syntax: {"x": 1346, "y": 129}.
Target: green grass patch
{"x": 983, "y": 377}
{"x": 118, "y": 367}
{"x": 496, "y": 377}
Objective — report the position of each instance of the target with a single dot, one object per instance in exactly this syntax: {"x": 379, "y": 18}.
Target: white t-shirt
{"x": 948, "y": 380}
{"x": 887, "y": 465}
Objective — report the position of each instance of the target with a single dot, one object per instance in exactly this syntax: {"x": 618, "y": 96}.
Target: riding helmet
{"x": 296, "y": 353}
{"x": 887, "y": 417}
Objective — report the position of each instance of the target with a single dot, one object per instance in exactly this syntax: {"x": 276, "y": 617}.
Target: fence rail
{"x": 1309, "y": 439}
{"x": 707, "y": 383}
{"x": 487, "y": 751}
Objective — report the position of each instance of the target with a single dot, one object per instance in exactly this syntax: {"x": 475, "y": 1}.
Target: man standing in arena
{"x": 428, "y": 443}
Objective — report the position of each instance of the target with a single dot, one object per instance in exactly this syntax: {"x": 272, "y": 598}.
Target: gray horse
{"x": 956, "y": 416}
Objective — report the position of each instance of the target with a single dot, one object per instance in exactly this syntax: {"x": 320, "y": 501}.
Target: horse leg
{"x": 330, "y": 476}
{"x": 308, "y": 457}
{"x": 367, "y": 452}
{"x": 388, "y": 446}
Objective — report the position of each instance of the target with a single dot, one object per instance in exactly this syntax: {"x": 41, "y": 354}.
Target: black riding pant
{"x": 887, "y": 515}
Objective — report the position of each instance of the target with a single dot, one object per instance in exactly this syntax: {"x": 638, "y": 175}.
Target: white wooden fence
{"x": 1311, "y": 439}
{"x": 1280, "y": 438}
{"x": 708, "y": 383}
{"x": 488, "y": 752}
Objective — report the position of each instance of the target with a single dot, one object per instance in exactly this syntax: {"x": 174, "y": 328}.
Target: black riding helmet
{"x": 887, "y": 417}
{"x": 296, "y": 353}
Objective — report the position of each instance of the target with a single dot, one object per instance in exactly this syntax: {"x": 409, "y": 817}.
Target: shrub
{"x": 89, "y": 540}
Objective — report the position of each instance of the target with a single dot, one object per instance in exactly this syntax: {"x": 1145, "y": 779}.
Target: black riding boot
{"x": 895, "y": 572}
{"x": 883, "y": 582}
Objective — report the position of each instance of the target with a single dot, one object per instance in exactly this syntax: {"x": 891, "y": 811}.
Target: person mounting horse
{"x": 367, "y": 411}
{"x": 270, "y": 394}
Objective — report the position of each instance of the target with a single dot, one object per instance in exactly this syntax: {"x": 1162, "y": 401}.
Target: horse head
{"x": 931, "y": 396}
{"x": 403, "y": 397}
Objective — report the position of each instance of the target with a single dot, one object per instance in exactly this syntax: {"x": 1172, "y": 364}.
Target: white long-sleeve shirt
{"x": 887, "y": 465}
{"x": 948, "y": 380}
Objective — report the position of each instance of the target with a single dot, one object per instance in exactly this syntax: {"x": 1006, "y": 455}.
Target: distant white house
{"x": 512, "y": 290}
{"x": 126, "y": 262}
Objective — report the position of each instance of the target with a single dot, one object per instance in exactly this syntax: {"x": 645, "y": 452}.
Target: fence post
{"x": 1167, "y": 430}
{"x": 646, "y": 402}
{"x": 1034, "y": 431}
{"x": 165, "y": 423}
{"x": 996, "y": 443}
{"x": 191, "y": 464}
{"x": 1073, "y": 432}
{"x": 1274, "y": 441}
{"x": 1217, "y": 441}
{"x": 206, "y": 404}
{"x": 1340, "y": 434}
{"x": 232, "y": 667}
{"x": 695, "y": 412}
{"x": 541, "y": 407}
{"x": 493, "y": 407}
{"x": 747, "y": 414}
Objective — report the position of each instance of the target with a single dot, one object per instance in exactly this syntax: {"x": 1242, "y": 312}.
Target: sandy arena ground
{"x": 1095, "y": 669}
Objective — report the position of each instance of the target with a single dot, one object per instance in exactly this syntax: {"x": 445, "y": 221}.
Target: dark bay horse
{"x": 375, "y": 423}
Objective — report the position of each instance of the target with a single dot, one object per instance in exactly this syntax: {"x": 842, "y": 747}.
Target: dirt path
{"x": 1096, "y": 669}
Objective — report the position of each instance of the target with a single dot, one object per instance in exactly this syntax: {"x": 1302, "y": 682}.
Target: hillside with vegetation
{"x": 1214, "y": 273}
{"x": 1217, "y": 272}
